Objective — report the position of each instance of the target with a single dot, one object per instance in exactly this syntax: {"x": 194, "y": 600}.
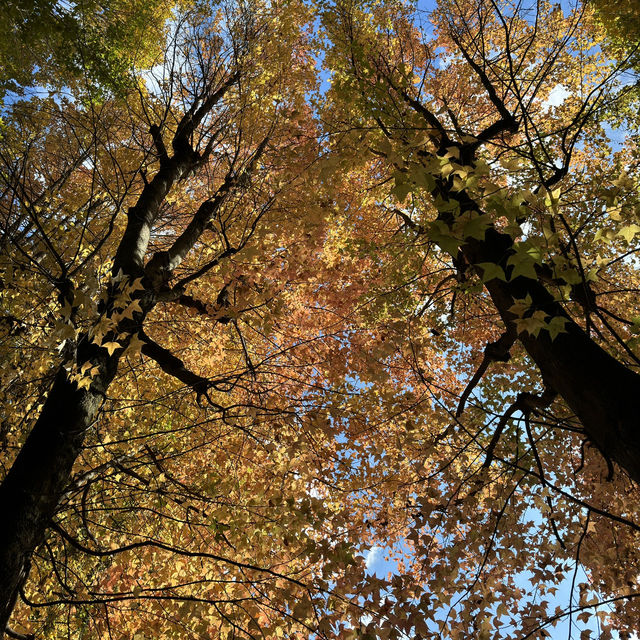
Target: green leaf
{"x": 525, "y": 268}
{"x": 556, "y": 326}
{"x": 402, "y": 187}
{"x": 422, "y": 177}
{"x": 532, "y": 324}
{"x": 628, "y": 232}
{"x": 440, "y": 233}
{"x": 491, "y": 271}
{"x": 477, "y": 227}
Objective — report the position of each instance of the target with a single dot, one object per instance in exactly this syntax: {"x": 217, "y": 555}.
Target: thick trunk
{"x": 602, "y": 392}
{"x": 31, "y": 491}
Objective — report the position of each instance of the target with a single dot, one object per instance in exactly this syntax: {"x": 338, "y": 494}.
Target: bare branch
{"x": 497, "y": 351}
{"x": 173, "y": 366}
{"x": 526, "y": 403}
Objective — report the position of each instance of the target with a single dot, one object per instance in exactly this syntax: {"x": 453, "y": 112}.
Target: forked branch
{"x": 526, "y": 403}
{"x": 498, "y": 351}
{"x": 173, "y": 366}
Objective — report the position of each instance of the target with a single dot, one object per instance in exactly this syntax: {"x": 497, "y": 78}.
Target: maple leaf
{"x": 135, "y": 345}
{"x": 133, "y": 307}
{"x": 491, "y": 271}
{"x": 110, "y": 347}
{"x": 628, "y": 232}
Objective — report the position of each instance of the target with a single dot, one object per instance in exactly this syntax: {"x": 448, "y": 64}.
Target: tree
{"x": 572, "y": 363}
{"x": 252, "y": 331}
{"x": 195, "y": 157}
{"x": 522, "y": 225}
{"x": 90, "y": 44}
{"x": 621, "y": 22}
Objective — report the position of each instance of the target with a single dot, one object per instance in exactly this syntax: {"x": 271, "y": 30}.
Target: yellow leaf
{"x": 84, "y": 383}
{"x": 136, "y": 285}
{"x": 628, "y": 232}
{"x": 111, "y": 347}
{"x": 134, "y": 307}
{"x": 135, "y": 345}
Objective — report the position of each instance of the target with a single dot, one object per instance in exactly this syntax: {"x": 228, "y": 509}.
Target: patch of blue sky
{"x": 380, "y": 563}
{"x": 563, "y": 597}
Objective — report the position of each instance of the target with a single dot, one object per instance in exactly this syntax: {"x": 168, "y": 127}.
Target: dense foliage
{"x": 91, "y": 45}
{"x": 305, "y": 282}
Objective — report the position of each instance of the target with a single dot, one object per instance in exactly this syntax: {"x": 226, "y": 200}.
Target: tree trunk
{"x": 31, "y": 491}
{"x": 602, "y": 392}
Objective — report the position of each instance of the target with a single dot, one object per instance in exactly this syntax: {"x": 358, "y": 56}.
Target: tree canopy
{"x": 92, "y": 45}
{"x": 293, "y": 283}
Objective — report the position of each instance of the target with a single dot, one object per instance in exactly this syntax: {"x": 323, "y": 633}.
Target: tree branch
{"x": 173, "y": 366}
{"x": 526, "y": 403}
{"x": 507, "y": 121}
{"x": 497, "y": 351}
{"x": 172, "y": 258}
{"x": 165, "y": 547}
{"x": 18, "y": 636}
{"x": 141, "y": 217}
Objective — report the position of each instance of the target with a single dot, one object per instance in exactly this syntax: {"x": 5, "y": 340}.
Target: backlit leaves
{"x": 320, "y": 332}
